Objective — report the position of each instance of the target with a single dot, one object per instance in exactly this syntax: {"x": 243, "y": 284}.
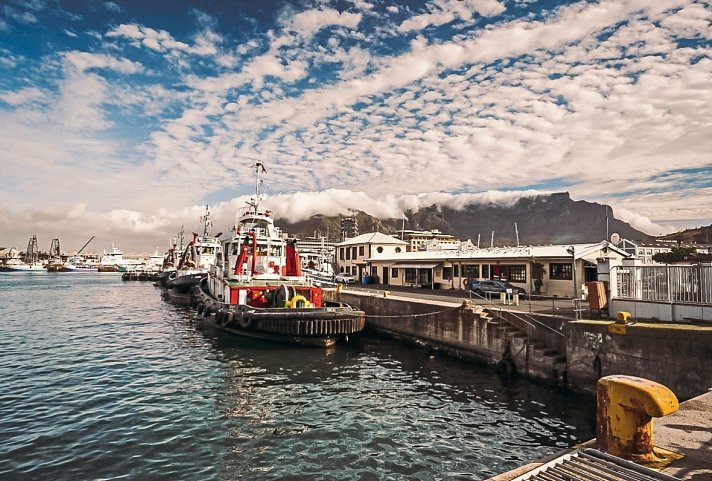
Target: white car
{"x": 344, "y": 278}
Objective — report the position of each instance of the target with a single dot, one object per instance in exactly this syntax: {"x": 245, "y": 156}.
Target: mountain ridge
{"x": 544, "y": 219}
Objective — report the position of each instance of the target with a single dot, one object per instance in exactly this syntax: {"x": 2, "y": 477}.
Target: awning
{"x": 404, "y": 265}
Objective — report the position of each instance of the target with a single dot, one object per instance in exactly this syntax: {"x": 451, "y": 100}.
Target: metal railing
{"x": 685, "y": 284}
{"x": 527, "y": 323}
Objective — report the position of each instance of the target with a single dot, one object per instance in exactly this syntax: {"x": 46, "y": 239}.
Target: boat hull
{"x": 183, "y": 284}
{"x": 314, "y": 327}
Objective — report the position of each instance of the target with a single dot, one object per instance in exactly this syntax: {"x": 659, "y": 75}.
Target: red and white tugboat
{"x": 257, "y": 289}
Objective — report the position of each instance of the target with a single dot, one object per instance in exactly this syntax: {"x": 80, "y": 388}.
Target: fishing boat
{"x": 112, "y": 261}
{"x": 199, "y": 255}
{"x": 256, "y": 287}
{"x": 31, "y": 263}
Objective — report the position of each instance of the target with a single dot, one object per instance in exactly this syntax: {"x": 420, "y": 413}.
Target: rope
{"x": 416, "y": 315}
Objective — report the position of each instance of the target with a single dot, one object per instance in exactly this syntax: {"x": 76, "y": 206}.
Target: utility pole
{"x": 572, "y": 251}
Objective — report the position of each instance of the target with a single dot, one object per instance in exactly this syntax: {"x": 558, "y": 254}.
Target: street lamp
{"x": 571, "y": 250}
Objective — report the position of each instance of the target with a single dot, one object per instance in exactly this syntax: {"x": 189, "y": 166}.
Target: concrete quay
{"x": 528, "y": 339}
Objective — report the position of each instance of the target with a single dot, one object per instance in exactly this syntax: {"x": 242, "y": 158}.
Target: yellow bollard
{"x": 386, "y": 293}
{"x": 623, "y": 316}
{"x": 625, "y": 406}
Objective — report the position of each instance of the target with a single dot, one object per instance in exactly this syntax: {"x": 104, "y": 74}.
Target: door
{"x": 385, "y": 274}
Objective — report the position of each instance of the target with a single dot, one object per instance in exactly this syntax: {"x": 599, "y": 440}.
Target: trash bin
{"x": 364, "y": 280}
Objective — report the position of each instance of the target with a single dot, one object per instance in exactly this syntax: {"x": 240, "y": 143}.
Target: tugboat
{"x": 256, "y": 289}
{"x": 199, "y": 255}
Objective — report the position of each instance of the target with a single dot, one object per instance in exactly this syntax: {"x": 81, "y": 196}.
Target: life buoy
{"x": 294, "y": 301}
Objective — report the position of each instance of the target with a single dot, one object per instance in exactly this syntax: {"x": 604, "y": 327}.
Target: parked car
{"x": 343, "y": 278}
{"x": 494, "y": 287}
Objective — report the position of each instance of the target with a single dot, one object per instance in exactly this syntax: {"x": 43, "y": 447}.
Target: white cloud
{"x": 445, "y": 11}
{"x": 83, "y": 61}
{"x": 22, "y": 96}
{"x": 309, "y": 22}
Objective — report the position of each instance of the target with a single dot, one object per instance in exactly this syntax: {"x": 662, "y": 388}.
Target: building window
{"x": 398, "y": 249}
{"x": 353, "y": 252}
{"x": 472, "y": 271}
{"x": 341, "y": 253}
{"x": 379, "y": 249}
{"x": 447, "y": 273}
{"x": 348, "y": 254}
{"x": 518, "y": 273}
{"x": 560, "y": 271}
{"x": 410, "y": 276}
{"x": 360, "y": 251}
{"x": 394, "y": 273}
{"x": 456, "y": 270}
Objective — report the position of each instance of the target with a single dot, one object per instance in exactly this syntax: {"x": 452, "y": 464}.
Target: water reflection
{"x": 378, "y": 407}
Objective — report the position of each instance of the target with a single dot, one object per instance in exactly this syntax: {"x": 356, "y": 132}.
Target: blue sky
{"x": 123, "y": 119}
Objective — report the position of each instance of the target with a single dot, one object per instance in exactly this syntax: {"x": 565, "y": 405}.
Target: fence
{"x": 685, "y": 284}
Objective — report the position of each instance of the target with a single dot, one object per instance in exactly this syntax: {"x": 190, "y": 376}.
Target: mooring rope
{"x": 416, "y": 315}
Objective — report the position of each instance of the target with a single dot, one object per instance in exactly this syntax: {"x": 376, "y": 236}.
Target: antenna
{"x": 615, "y": 238}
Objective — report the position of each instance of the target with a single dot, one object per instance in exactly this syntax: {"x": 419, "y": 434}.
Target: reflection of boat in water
{"x": 31, "y": 262}
{"x": 257, "y": 289}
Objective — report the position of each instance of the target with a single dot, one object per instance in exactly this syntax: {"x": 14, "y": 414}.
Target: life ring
{"x": 294, "y": 301}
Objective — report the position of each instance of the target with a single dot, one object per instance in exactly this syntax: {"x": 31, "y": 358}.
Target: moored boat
{"x": 31, "y": 262}
{"x": 256, "y": 287}
{"x": 200, "y": 254}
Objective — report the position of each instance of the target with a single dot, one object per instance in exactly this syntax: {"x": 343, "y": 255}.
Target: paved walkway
{"x": 529, "y": 304}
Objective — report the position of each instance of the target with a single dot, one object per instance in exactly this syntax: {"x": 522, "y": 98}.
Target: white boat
{"x": 31, "y": 262}
{"x": 199, "y": 256}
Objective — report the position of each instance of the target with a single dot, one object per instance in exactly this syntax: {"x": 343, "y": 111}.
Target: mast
{"x": 207, "y": 223}
{"x": 259, "y": 170}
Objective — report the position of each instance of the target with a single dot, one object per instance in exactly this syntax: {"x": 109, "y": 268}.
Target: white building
{"x": 351, "y": 254}
{"x": 453, "y": 269}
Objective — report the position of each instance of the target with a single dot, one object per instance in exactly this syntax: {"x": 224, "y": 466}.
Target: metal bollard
{"x": 625, "y": 406}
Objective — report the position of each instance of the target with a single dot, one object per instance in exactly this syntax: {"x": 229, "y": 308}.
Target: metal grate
{"x": 592, "y": 465}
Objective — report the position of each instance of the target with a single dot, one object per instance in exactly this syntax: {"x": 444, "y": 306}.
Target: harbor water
{"x": 104, "y": 379}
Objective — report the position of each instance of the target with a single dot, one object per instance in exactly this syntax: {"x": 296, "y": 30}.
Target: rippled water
{"x": 104, "y": 379}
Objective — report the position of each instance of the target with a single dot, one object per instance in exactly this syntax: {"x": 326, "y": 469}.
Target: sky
{"x": 125, "y": 119}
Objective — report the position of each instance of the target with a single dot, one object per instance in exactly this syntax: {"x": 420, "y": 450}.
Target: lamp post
{"x": 571, "y": 250}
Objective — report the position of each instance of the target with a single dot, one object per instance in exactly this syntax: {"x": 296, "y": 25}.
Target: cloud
{"x": 82, "y": 61}
{"x": 309, "y": 22}
{"x": 23, "y": 96}
{"x": 445, "y": 11}
{"x": 162, "y": 41}
{"x": 113, "y": 7}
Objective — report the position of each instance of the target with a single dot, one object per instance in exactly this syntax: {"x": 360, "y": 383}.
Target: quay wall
{"x": 458, "y": 330}
{"x": 679, "y": 357}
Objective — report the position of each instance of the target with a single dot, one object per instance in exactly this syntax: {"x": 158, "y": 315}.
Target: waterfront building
{"x": 567, "y": 266}
{"x": 352, "y": 254}
{"x": 315, "y": 251}
{"x": 645, "y": 250}
{"x": 423, "y": 239}
{"x": 349, "y": 228}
